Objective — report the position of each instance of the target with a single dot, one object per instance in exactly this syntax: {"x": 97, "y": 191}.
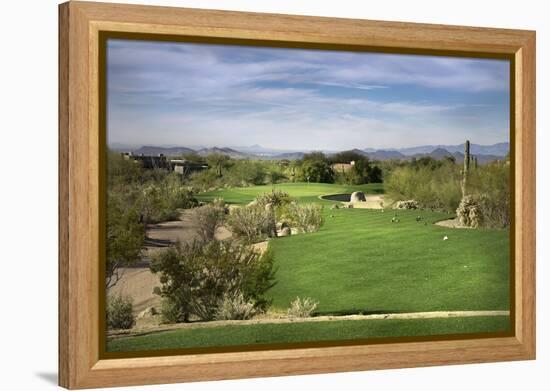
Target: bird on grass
{"x": 445, "y": 237}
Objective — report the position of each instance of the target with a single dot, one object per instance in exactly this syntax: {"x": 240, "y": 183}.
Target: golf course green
{"x": 302, "y": 192}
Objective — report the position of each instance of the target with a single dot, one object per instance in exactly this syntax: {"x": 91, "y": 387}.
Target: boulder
{"x": 282, "y": 225}
{"x": 285, "y": 231}
{"x": 147, "y": 312}
{"x": 357, "y": 196}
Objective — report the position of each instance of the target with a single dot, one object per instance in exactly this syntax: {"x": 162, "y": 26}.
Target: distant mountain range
{"x": 437, "y": 154}
{"x": 151, "y": 150}
{"x": 498, "y": 149}
{"x": 224, "y": 151}
{"x": 484, "y": 153}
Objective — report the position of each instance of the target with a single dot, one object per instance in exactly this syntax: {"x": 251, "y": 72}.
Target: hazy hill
{"x": 232, "y": 153}
{"x": 168, "y": 151}
{"x": 484, "y": 153}
{"x": 498, "y": 149}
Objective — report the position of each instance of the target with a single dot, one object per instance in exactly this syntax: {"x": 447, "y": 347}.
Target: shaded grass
{"x": 307, "y": 332}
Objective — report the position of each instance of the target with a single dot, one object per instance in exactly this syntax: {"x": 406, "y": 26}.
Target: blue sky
{"x": 182, "y": 94}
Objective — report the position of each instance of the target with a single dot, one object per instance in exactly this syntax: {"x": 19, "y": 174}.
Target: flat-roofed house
{"x": 342, "y": 167}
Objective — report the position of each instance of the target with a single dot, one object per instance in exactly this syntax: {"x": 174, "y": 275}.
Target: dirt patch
{"x": 371, "y": 202}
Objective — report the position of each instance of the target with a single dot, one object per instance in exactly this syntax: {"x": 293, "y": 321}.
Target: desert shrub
{"x": 155, "y": 206}
{"x": 172, "y": 312}
{"x": 234, "y": 306}
{"x": 196, "y": 277}
{"x": 495, "y": 212}
{"x": 306, "y": 218}
{"x": 275, "y": 198}
{"x": 218, "y": 202}
{"x": 207, "y": 219}
{"x": 408, "y": 204}
{"x": 177, "y": 195}
{"x": 489, "y": 185}
{"x": 246, "y": 173}
{"x": 434, "y": 186}
{"x": 252, "y": 223}
{"x": 205, "y": 180}
{"x": 302, "y": 308}
{"x": 120, "y": 312}
{"x": 121, "y": 171}
{"x": 160, "y": 200}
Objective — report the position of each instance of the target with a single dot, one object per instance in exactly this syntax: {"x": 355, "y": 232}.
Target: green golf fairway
{"x": 360, "y": 262}
{"x": 302, "y": 192}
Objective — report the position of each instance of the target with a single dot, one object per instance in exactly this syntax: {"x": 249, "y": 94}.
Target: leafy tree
{"x": 347, "y": 157}
{"x": 316, "y": 171}
{"x": 375, "y": 174}
{"x": 315, "y": 156}
{"x": 125, "y": 237}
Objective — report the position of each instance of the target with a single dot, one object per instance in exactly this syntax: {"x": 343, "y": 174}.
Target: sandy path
{"x": 451, "y": 223}
{"x": 138, "y": 281}
{"x": 372, "y": 202}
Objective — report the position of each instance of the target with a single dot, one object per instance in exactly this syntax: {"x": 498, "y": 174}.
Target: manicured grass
{"x": 302, "y": 192}
{"x": 306, "y": 332}
{"x": 361, "y": 262}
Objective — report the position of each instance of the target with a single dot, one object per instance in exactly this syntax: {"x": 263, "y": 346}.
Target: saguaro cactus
{"x": 466, "y": 171}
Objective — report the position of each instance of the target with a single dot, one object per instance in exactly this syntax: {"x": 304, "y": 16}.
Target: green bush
{"x": 120, "y": 312}
{"x": 196, "y": 277}
{"x": 172, "y": 312}
{"x": 252, "y": 223}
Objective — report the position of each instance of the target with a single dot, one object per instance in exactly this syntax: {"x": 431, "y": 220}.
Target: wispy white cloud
{"x": 164, "y": 93}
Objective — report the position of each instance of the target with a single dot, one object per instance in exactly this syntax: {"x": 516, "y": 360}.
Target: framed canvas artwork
{"x": 254, "y": 195}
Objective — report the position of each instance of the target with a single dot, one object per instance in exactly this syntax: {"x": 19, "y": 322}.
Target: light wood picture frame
{"x": 83, "y": 364}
